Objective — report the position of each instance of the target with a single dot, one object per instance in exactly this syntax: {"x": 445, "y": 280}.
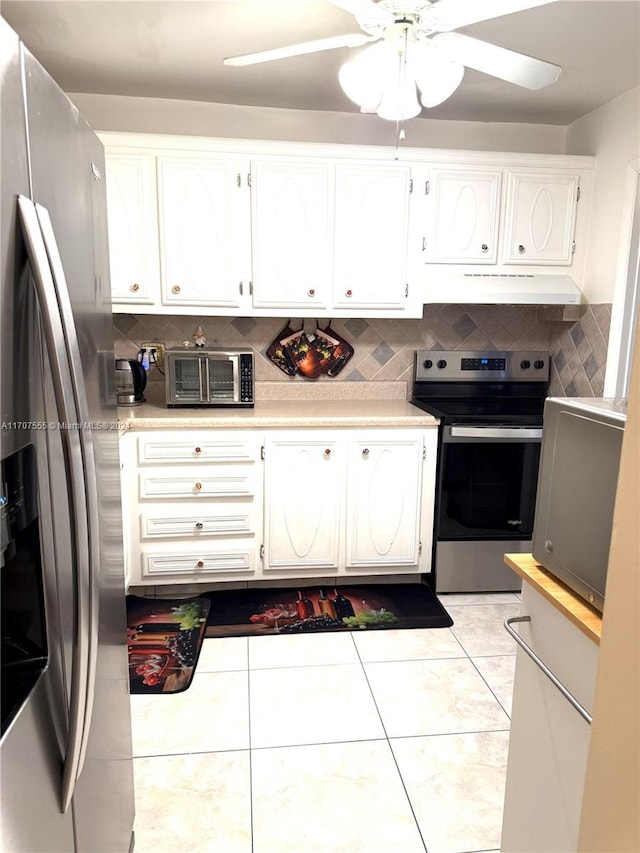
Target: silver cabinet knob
{"x": 199, "y": 525}
{"x": 484, "y": 247}
{"x": 365, "y": 452}
{"x": 521, "y": 249}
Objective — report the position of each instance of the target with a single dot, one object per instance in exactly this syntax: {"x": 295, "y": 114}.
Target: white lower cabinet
{"x": 201, "y": 505}
{"x": 549, "y": 740}
{"x": 349, "y": 501}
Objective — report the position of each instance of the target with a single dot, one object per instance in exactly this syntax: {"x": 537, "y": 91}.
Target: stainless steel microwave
{"x": 577, "y": 482}
{"x": 209, "y": 376}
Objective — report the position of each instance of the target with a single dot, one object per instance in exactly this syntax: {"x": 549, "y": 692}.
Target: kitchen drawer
{"x": 197, "y": 446}
{"x": 232, "y": 481}
{"x": 204, "y": 563}
{"x": 211, "y": 520}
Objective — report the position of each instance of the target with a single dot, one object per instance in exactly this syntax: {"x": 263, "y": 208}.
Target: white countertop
{"x": 280, "y": 414}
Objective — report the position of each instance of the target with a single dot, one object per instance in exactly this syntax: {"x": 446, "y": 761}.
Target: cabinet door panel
{"x": 371, "y": 232}
{"x": 303, "y": 502}
{"x": 540, "y": 219}
{"x": 383, "y": 514}
{"x": 462, "y": 217}
{"x": 133, "y": 239}
{"x": 291, "y": 242}
{"x": 200, "y": 232}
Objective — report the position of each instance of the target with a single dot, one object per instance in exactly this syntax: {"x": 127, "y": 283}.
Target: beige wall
{"x": 195, "y": 118}
{"x": 611, "y": 806}
{"x": 611, "y": 134}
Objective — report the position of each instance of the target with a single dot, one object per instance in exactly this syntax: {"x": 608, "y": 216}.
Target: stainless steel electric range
{"x": 490, "y": 406}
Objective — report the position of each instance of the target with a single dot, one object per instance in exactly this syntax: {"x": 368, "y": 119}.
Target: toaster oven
{"x": 209, "y": 377}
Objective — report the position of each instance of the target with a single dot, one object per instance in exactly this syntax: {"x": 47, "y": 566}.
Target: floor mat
{"x": 164, "y": 638}
{"x": 287, "y": 610}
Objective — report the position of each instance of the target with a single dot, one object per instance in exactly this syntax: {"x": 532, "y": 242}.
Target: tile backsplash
{"x": 576, "y": 337}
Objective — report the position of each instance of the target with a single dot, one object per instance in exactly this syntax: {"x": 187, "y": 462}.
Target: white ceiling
{"x": 175, "y": 49}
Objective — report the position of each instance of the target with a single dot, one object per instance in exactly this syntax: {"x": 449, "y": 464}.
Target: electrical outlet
{"x": 158, "y": 355}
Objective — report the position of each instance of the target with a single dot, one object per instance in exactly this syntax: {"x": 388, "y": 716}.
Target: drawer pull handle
{"x": 327, "y": 452}
{"x": 175, "y": 288}
{"x": 349, "y": 293}
{"x": 534, "y": 657}
{"x": 365, "y": 452}
{"x": 521, "y": 249}
{"x": 199, "y": 525}
{"x": 135, "y": 287}
{"x": 200, "y": 564}
{"x": 198, "y": 486}
{"x": 198, "y": 450}
{"x": 312, "y": 292}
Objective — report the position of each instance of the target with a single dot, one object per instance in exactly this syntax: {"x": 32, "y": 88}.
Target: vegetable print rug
{"x": 289, "y": 610}
{"x": 164, "y": 639}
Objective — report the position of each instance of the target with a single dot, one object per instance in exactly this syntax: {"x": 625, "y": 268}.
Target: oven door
{"x": 488, "y": 481}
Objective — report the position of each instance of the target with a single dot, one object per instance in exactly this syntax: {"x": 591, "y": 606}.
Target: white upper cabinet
{"x": 462, "y": 214}
{"x": 201, "y": 232}
{"x": 540, "y": 219}
{"x": 384, "y": 479}
{"x": 371, "y": 232}
{"x": 284, "y": 229}
{"x": 133, "y": 235}
{"x": 290, "y": 234}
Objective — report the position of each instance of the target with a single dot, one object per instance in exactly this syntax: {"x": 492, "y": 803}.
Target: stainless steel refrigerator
{"x": 65, "y": 749}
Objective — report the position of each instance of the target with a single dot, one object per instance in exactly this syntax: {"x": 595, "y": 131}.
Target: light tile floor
{"x": 383, "y": 741}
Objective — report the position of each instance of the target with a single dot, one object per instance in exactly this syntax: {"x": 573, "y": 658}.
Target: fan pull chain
{"x": 402, "y": 76}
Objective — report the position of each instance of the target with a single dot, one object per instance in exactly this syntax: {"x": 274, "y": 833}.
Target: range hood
{"x": 503, "y": 288}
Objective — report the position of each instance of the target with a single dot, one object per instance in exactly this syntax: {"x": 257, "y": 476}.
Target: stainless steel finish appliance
{"x": 131, "y": 380}
{"x": 579, "y": 467}
{"x": 209, "y": 377}
{"x": 65, "y": 748}
{"x": 490, "y": 407}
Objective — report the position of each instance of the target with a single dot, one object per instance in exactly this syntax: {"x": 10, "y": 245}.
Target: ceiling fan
{"x": 413, "y": 43}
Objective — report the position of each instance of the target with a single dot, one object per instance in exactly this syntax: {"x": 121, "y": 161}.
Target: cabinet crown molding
{"x": 160, "y": 143}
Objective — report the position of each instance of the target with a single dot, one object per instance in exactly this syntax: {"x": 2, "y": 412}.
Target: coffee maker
{"x": 131, "y": 380}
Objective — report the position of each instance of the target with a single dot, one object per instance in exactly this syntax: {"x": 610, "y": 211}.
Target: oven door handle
{"x": 489, "y": 433}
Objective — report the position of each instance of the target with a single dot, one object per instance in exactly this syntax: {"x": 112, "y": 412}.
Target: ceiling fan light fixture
{"x": 436, "y": 76}
{"x": 362, "y": 79}
{"x": 399, "y": 100}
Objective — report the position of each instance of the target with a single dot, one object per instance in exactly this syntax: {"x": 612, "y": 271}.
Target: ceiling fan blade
{"x": 352, "y": 40}
{"x": 497, "y": 61}
{"x": 447, "y": 15}
{"x": 366, "y": 9}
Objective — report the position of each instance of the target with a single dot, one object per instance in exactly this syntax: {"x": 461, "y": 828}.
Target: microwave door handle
{"x": 61, "y": 343}
{"x": 236, "y": 377}
{"x": 205, "y": 388}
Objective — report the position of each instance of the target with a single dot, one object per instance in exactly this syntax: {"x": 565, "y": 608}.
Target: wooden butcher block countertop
{"x": 575, "y": 608}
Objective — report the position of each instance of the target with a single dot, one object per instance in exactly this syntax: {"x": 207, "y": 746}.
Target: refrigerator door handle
{"x": 68, "y": 382}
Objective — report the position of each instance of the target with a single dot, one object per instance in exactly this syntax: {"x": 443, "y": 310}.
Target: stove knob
{"x": 428, "y": 363}
{"x": 442, "y": 363}
{"x": 538, "y": 364}
{"x": 525, "y": 365}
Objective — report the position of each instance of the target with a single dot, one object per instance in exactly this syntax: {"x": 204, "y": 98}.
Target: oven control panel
{"x": 456, "y": 365}
{"x": 483, "y": 364}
